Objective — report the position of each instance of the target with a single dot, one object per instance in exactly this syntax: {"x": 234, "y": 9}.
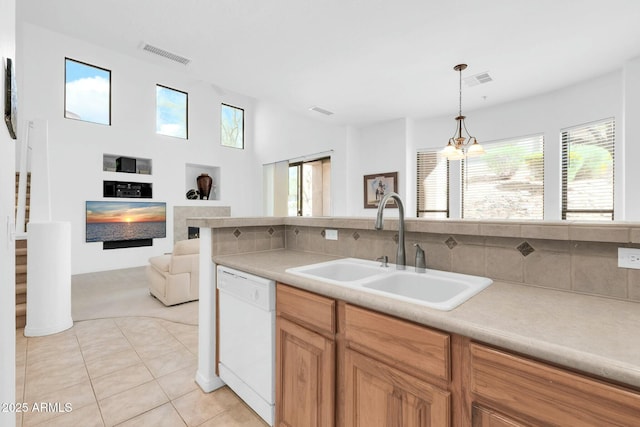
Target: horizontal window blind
{"x": 433, "y": 185}
{"x": 588, "y": 159}
{"x": 507, "y": 182}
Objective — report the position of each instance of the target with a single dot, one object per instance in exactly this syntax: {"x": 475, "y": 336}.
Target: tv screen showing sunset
{"x": 117, "y": 221}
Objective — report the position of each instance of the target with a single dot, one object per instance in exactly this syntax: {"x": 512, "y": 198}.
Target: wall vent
{"x": 478, "y": 79}
{"x": 165, "y": 54}
{"x": 321, "y": 110}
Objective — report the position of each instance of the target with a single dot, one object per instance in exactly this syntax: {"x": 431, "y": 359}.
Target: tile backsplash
{"x": 546, "y": 260}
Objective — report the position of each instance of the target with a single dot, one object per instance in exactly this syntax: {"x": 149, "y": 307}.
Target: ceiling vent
{"x": 478, "y": 79}
{"x": 165, "y": 54}
{"x": 321, "y": 110}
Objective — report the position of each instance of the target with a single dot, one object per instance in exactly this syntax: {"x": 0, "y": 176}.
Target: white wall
{"x": 7, "y": 246}
{"x": 379, "y": 148}
{"x": 547, "y": 114}
{"x": 76, "y": 148}
{"x": 631, "y": 132}
{"x": 283, "y": 135}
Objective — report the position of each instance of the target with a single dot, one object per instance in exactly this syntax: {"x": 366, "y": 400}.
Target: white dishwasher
{"x": 247, "y": 322}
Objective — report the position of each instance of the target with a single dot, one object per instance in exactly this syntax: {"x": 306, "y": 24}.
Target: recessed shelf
{"x": 193, "y": 171}
{"x": 128, "y": 164}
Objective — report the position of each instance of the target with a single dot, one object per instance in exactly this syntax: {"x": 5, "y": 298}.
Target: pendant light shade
{"x": 461, "y": 146}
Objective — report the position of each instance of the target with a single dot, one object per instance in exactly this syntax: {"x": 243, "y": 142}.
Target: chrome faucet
{"x": 401, "y": 260}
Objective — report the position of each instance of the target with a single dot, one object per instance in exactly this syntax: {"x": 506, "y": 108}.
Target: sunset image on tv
{"x": 117, "y": 221}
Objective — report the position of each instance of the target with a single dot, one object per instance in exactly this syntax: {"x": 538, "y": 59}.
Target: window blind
{"x": 433, "y": 185}
{"x": 588, "y": 157}
{"x": 507, "y": 182}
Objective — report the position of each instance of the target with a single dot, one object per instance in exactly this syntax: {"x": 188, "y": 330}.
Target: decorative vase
{"x": 204, "y": 185}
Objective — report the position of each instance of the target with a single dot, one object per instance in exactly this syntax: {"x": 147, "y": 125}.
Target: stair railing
{"x": 25, "y": 147}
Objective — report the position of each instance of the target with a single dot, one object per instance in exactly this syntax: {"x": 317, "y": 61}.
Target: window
{"x": 507, "y": 182}
{"x": 171, "y": 112}
{"x": 87, "y": 94}
{"x": 310, "y": 188}
{"x": 587, "y": 171}
{"x": 232, "y": 126}
{"x": 433, "y": 185}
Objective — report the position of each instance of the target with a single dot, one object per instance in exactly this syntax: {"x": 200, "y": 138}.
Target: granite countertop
{"x": 592, "y": 334}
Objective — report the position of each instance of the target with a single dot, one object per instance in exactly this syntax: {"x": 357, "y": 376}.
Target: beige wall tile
{"x": 538, "y": 231}
{"x": 505, "y": 264}
{"x": 594, "y": 270}
{"x": 500, "y": 230}
{"x": 469, "y": 259}
{"x": 548, "y": 269}
{"x": 591, "y": 233}
{"x": 634, "y": 285}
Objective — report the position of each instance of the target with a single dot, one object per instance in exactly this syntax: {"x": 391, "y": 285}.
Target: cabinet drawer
{"x": 536, "y": 391}
{"x": 306, "y": 308}
{"x": 405, "y": 345}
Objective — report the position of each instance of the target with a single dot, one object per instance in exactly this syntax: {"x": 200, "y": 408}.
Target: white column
{"x": 206, "y": 375}
{"x": 48, "y": 278}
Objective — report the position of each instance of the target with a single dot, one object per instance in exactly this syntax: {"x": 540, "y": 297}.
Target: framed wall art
{"x": 376, "y": 186}
{"x": 10, "y": 100}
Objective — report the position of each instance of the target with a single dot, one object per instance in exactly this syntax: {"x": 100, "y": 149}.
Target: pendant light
{"x": 460, "y": 146}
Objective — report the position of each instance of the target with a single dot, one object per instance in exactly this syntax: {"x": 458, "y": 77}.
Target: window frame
{"x": 419, "y": 211}
{"x": 66, "y": 58}
{"x": 564, "y": 209}
{"x": 534, "y": 138}
{"x": 222, "y": 105}
{"x": 186, "y": 112}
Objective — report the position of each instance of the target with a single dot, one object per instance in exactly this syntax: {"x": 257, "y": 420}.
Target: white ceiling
{"x": 365, "y": 60}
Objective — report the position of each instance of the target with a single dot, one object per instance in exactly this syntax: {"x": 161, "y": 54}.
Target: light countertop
{"x": 595, "y": 335}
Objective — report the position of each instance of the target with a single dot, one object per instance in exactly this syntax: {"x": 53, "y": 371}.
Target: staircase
{"x": 21, "y": 266}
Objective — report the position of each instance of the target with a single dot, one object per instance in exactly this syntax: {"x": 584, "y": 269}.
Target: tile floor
{"x": 129, "y": 371}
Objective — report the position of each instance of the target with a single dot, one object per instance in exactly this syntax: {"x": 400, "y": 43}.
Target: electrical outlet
{"x": 629, "y": 258}
{"x": 331, "y": 234}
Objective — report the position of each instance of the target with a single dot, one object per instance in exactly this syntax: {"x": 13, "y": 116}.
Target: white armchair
{"x": 174, "y": 278}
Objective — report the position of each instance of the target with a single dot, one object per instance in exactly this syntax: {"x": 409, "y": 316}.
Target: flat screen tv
{"x": 123, "y": 221}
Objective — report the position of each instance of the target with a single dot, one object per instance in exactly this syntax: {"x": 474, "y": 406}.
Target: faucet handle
{"x": 384, "y": 261}
{"x": 421, "y": 262}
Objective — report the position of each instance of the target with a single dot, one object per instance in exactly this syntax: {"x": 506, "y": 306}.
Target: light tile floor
{"x": 130, "y": 371}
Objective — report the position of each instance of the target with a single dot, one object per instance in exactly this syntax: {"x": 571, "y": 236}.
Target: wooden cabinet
{"x": 396, "y": 372}
{"x": 509, "y": 390}
{"x": 339, "y": 364}
{"x": 377, "y": 394}
{"x": 305, "y": 359}
{"x": 484, "y": 417}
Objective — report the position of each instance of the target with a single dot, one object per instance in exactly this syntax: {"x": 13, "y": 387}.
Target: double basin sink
{"x": 436, "y": 289}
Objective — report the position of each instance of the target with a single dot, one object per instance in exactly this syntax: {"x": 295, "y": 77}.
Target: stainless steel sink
{"x": 437, "y": 289}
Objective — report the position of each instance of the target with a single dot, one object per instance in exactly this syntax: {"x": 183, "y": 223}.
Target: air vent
{"x": 321, "y": 110}
{"x": 477, "y": 79}
{"x": 165, "y": 54}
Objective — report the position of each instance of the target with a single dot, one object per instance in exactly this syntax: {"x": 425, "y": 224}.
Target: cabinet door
{"x": 483, "y": 417}
{"x": 379, "y": 395}
{"x": 305, "y": 377}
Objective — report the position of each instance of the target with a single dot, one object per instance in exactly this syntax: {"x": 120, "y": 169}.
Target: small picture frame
{"x": 376, "y": 186}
